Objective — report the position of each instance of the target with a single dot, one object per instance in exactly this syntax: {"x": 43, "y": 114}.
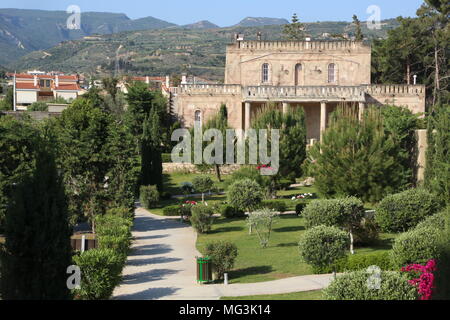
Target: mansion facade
{"x": 315, "y": 75}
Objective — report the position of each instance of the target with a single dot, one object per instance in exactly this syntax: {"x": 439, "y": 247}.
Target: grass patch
{"x": 172, "y": 182}
{"x": 280, "y": 259}
{"x": 305, "y": 295}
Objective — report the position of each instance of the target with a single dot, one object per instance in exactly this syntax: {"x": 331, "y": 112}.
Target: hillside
{"x": 200, "y": 52}
{"x": 204, "y": 24}
{"x": 257, "y": 22}
{"x": 24, "y": 31}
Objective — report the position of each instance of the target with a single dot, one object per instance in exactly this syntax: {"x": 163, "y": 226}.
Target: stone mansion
{"x": 316, "y": 75}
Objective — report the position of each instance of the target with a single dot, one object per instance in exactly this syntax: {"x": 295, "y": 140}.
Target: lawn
{"x": 305, "y": 295}
{"x": 172, "y": 182}
{"x": 280, "y": 259}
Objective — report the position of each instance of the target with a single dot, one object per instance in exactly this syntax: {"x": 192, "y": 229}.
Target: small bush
{"x": 100, "y": 270}
{"x": 223, "y": 255}
{"x": 299, "y": 207}
{"x": 333, "y": 212}
{"x": 322, "y": 246}
{"x": 245, "y": 195}
{"x": 149, "y": 196}
{"x": 202, "y": 218}
{"x": 416, "y": 246}
{"x": 120, "y": 212}
{"x": 403, "y": 211}
{"x": 358, "y": 262}
{"x": 203, "y": 183}
{"x": 230, "y": 212}
{"x": 120, "y": 244}
{"x": 187, "y": 188}
{"x": 279, "y": 206}
{"x": 358, "y": 285}
{"x": 109, "y": 225}
{"x": 171, "y": 211}
{"x": 251, "y": 173}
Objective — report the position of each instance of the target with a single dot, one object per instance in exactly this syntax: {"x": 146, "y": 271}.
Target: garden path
{"x": 162, "y": 266}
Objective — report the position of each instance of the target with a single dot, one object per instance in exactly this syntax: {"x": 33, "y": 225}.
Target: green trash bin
{"x": 204, "y": 269}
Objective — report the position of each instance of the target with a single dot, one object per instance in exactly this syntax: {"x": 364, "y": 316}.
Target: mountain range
{"x": 108, "y": 43}
{"x": 23, "y": 31}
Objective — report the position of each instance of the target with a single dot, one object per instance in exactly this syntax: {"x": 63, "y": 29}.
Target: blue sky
{"x": 229, "y": 12}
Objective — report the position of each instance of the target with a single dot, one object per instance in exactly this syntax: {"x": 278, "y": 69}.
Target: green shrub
{"x": 202, "y": 218}
{"x": 100, "y": 273}
{"x": 279, "y": 206}
{"x": 171, "y": 211}
{"x": 223, "y": 255}
{"x": 120, "y": 244}
{"x": 416, "y": 246}
{"x": 38, "y": 106}
{"x": 120, "y": 212}
{"x": 166, "y": 157}
{"x": 437, "y": 221}
{"x": 322, "y": 246}
{"x": 356, "y": 262}
{"x": 358, "y": 285}
{"x": 245, "y": 195}
{"x": 333, "y": 212}
{"x": 109, "y": 225}
{"x": 299, "y": 207}
{"x": 261, "y": 221}
{"x": 149, "y": 196}
{"x": 248, "y": 172}
{"x": 229, "y": 212}
{"x": 187, "y": 187}
{"x": 202, "y": 184}
{"x": 356, "y": 157}
{"x": 403, "y": 211}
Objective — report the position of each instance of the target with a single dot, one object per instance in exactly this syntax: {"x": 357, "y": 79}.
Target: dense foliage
{"x": 322, "y": 246}
{"x": 245, "y": 195}
{"x": 201, "y": 218}
{"x": 356, "y": 158}
{"x": 403, "y": 211}
{"x": 354, "y": 286}
{"x": 149, "y": 196}
{"x": 223, "y": 255}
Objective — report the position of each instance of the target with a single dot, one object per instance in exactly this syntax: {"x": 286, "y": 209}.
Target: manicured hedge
{"x": 354, "y": 286}
{"x": 149, "y": 196}
{"x": 201, "y": 218}
{"x": 358, "y": 262}
{"x": 279, "y": 206}
{"x": 403, "y": 211}
{"x": 416, "y": 246}
{"x": 229, "y": 212}
{"x": 333, "y": 212}
{"x": 171, "y": 211}
{"x": 323, "y": 246}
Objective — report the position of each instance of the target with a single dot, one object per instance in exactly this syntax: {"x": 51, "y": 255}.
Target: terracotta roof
{"x": 43, "y": 76}
{"x": 74, "y": 87}
{"x": 26, "y": 86}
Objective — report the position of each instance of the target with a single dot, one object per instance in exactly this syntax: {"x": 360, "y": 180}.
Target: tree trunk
{"x": 437, "y": 86}
{"x": 408, "y": 72}
{"x": 203, "y": 197}
{"x": 351, "y": 243}
{"x": 218, "y": 173}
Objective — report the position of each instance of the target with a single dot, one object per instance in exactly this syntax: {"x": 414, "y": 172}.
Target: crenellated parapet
{"x": 299, "y": 45}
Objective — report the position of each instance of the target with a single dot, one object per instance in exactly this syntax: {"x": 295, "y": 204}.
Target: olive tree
{"x": 262, "y": 221}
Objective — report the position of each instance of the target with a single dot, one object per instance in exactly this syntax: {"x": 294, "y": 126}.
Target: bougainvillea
{"x": 425, "y": 280}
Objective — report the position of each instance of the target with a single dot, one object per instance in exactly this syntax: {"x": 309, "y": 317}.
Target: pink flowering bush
{"x": 425, "y": 280}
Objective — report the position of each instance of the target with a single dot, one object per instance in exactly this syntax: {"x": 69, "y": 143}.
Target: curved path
{"x": 162, "y": 266}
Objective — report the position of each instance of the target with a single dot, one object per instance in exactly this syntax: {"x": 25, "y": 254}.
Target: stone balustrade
{"x": 210, "y": 89}
{"x": 312, "y": 93}
{"x": 397, "y": 89}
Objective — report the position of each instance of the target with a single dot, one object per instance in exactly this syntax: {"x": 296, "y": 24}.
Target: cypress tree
{"x": 37, "y": 250}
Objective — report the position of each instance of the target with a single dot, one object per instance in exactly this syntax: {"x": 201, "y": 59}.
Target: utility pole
{"x": 14, "y": 93}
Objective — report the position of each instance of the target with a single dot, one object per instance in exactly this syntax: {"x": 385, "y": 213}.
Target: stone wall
{"x": 244, "y": 60}
{"x": 170, "y": 167}
{"x": 410, "y": 96}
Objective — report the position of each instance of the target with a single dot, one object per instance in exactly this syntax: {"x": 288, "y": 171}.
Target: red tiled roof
{"x": 74, "y": 87}
{"x": 43, "y": 76}
{"x": 26, "y": 86}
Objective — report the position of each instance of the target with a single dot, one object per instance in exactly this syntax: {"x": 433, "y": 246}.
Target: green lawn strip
{"x": 173, "y": 181}
{"x": 280, "y": 260}
{"x": 213, "y": 199}
{"x": 305, "y": 295}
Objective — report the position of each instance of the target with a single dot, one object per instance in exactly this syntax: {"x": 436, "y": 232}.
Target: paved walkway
{"x": 162, "y": 266}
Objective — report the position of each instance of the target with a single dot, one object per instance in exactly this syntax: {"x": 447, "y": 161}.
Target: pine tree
{"x": 295, "y": 31}
{"x": 155, "y": 138}
{"x": 437, "y": 170}
{"x": 358, "y": 33}
{"x": 37, "y": 249}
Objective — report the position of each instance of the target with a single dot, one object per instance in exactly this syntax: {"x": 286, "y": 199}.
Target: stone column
{"x": 247, "y": 115}
{"x": 323, "y": 117}
{"x": 362, "y": 107}
{"x": 286, "y": 107}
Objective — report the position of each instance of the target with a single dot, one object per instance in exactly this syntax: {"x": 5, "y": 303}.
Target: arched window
{"x": 298, "y": 74}
{"x": 331, "y": 73}
{"x": 198, "y": 118}
{"x": 265, "y": 72}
